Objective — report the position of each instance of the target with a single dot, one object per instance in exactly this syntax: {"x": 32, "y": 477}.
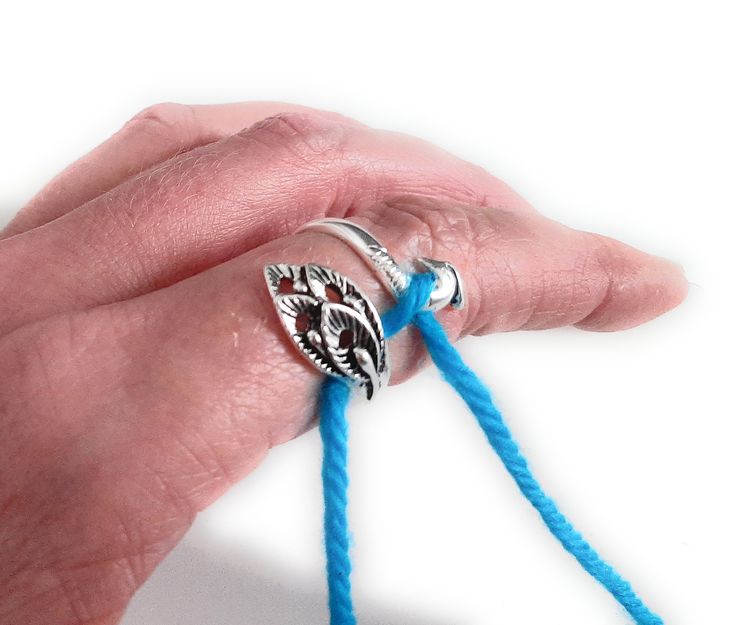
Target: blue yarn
{"x": 335, "y": 395}
{"x": 478, "y": 399}
{"x": 412, "y": 300}
{"x": 333, "y": 428}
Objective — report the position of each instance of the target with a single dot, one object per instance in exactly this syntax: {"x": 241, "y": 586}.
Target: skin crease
{"x": 144, "y": 368}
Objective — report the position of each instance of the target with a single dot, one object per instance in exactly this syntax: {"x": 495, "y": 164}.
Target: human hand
{"x": 144, "y": 368}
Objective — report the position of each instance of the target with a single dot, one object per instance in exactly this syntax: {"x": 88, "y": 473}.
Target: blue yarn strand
{"x": 334, "y": 399}
{"x": 333, "y": 428}
{"x": 478, "y": 399}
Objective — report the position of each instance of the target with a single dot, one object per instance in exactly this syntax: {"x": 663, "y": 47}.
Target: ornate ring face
{"x": 332, "y": 323}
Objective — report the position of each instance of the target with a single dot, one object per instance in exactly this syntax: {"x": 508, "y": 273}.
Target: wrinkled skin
{"x": 143, "y": 368}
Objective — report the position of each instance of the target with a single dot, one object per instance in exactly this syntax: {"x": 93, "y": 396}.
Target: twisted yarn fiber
{"x": 335, "y": 396}
{"x": 333, "y": 429}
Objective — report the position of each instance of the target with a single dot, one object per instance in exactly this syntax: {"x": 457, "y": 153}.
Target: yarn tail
{"x": 478, "y": 399}
{"x": 333, "y": 428}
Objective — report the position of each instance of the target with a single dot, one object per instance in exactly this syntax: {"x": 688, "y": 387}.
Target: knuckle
{"x": 441, "y": 230}
{"x": 160, "y": 119}
{"x": 37, "y": 353}
{"x": 44, "y": 362}
{"x": 304, "y": 134}
{"x": 430, "y": 227}
{"x": 36, "y": 363}
{"x": 605, "y": 254}
{"x": 476, "y": 240}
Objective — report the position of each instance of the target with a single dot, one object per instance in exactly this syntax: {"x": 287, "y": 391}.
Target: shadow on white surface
{"x": 203, "y": 584}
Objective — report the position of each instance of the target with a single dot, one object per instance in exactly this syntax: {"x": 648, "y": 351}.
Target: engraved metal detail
{"x": 334, "y": 325}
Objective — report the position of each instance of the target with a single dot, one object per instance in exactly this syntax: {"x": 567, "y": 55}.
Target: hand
{"x": 144, "y": 369}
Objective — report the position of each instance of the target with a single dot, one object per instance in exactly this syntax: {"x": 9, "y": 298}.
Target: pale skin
{"x": 143, "y": 368}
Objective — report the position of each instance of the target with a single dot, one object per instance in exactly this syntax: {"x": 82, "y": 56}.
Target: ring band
{"x": 448, "y": 287}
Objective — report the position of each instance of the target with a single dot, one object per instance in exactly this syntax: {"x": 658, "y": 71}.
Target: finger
{"x": 161, "y": 402}
{"x": 154, "y": 135}
{"x": 217, "y": 201}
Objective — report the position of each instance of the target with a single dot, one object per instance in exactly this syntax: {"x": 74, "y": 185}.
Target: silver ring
{"x": 332, "y": 323}
{"x": 448, "y": 285}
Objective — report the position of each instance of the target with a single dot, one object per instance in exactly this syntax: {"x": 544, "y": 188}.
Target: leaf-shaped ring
{"x": 332, "y": 323}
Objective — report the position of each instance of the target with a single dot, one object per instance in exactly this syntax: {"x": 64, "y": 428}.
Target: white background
{"x": 615, "y": 117}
